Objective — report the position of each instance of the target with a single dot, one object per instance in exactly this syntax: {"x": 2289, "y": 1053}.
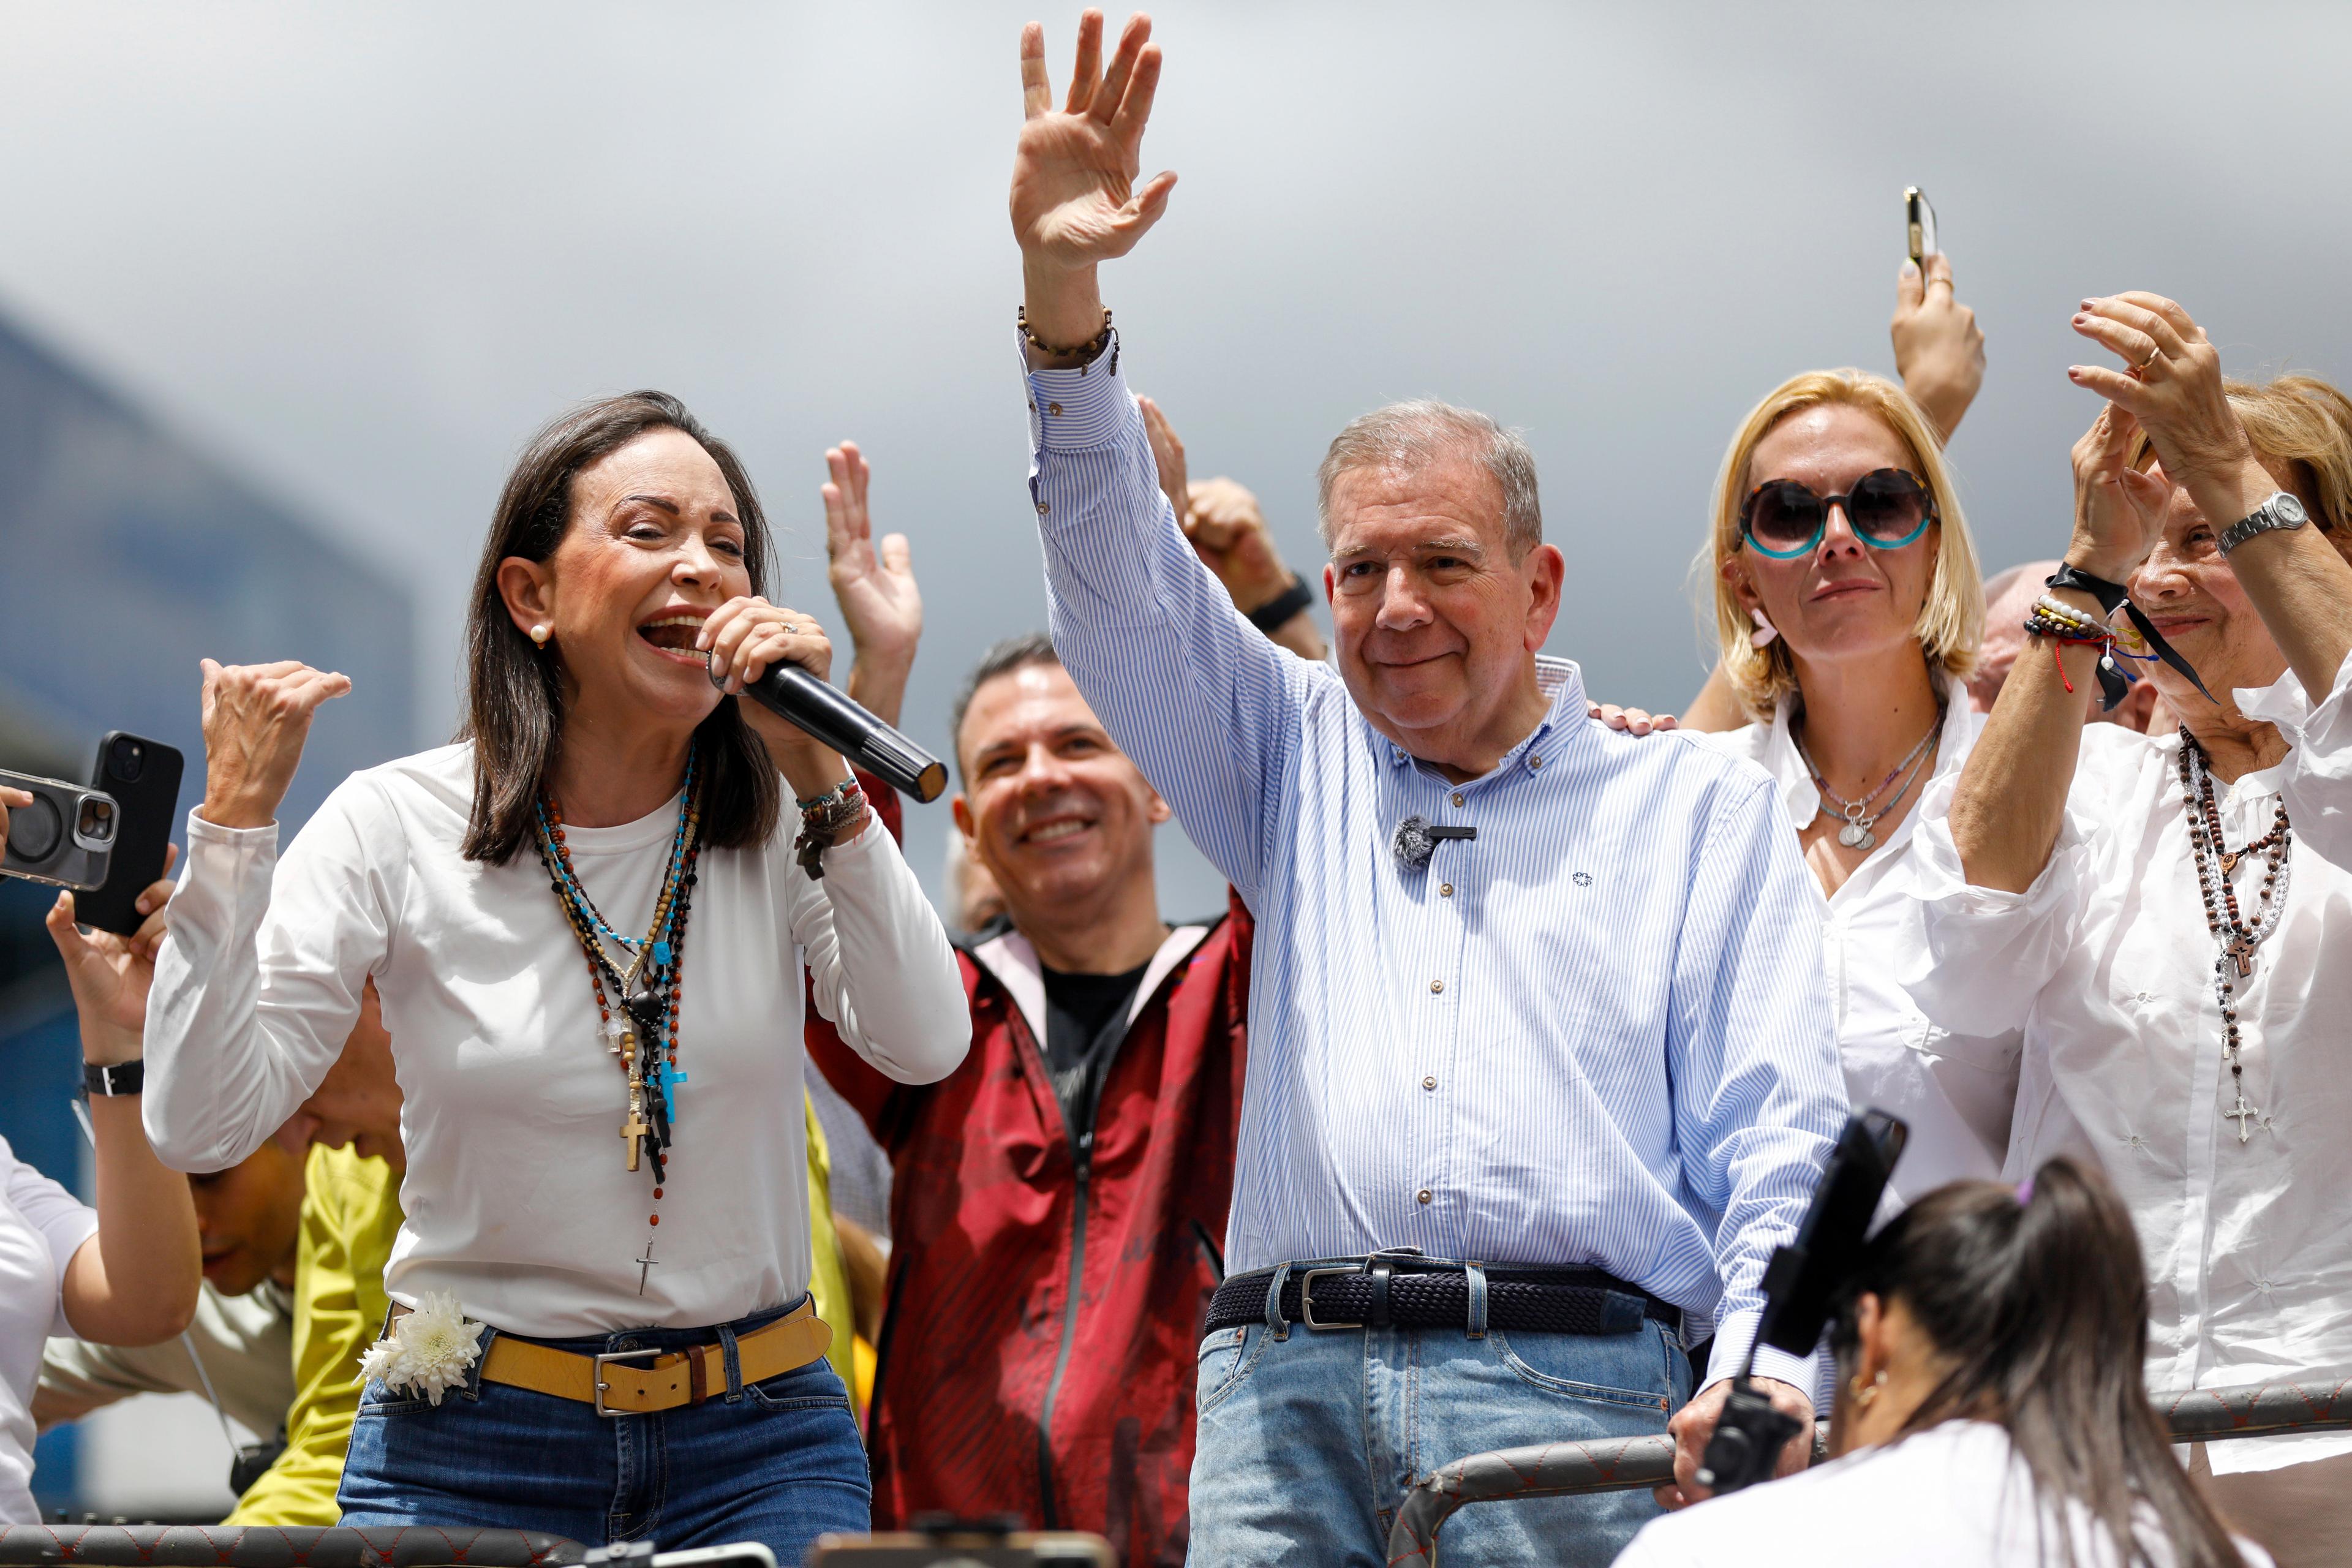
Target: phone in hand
{"x": 1919, "y": 219}
{"x": 143, "y": 777}
{"x": 64, "y": 839}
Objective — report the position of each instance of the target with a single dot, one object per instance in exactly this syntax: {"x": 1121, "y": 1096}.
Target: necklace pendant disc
{"x": 2229, "y": 863}
{"x": 1854, "y": 835}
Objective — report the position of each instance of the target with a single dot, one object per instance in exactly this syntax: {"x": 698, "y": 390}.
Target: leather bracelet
{"x": 1270, "y": 615}
{"x": 2108, "y": 594}
{"x": 821, "y": 821}
{"x": 107, "y": 1079}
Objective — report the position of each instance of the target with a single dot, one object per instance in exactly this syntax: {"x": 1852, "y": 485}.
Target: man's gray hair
{"x": 1409, "y": 436}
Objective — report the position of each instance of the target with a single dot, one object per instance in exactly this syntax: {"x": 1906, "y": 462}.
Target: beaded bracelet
{"x": 1089, "y": 351}
{"x": 823, "y": 817}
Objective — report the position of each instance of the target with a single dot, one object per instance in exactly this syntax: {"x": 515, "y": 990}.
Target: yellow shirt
{"x": 351, "y": 1213}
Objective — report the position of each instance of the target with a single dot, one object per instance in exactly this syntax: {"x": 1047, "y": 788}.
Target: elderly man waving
{"x": 1527, "y": 991}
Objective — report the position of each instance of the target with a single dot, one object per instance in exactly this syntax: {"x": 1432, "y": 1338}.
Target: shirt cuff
{"x": 1078, "y": 409}
{"x": 1735, "y": 1333}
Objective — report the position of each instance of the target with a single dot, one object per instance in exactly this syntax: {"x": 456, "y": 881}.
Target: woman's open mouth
{"x": 673, "y": 637}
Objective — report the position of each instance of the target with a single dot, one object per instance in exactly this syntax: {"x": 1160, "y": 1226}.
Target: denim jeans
{"x": 776, "y": 1462}
{"x": 1308, "y": 1440}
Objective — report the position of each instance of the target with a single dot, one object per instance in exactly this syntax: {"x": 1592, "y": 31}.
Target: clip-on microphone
{"x": 1797, "y": 1286}
{"x": 1417, "y": 841}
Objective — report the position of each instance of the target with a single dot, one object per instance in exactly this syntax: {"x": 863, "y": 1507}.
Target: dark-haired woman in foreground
{"x": 588, "y": 922}
{"x": 1989, "y": 1406}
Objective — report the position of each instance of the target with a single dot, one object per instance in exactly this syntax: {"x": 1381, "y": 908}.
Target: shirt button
{"x": 1436, "y": 985}
{"x": 1043, "y": 508}
{"x": 1423, "y": 1195}
{"x": 1444, "y": 890}
{"x": 1053, "y": 409}
{"x": 1535, "y": 762}
{"x": 1429, "y": 1083}
{"x": 1457, "y": 797}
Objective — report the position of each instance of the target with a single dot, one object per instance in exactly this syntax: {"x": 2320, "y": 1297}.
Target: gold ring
{"x": 2152, "y": 352}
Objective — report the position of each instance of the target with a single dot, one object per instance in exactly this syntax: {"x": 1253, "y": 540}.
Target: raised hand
{"x": 2118, "y": 509}
{"x": 2172, "y": 385}
{"x": 1168, "y": 457}
{"x": 8, "y": 797}
{"x": 256, "y": 717}
{"x": 109, "y": 974}
{"x": 876, "y": 592}
{"x": 1938, "y": 348}
{"x": 1075, "y": 202}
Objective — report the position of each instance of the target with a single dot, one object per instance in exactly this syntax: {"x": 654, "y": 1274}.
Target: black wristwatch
{"x": 113, "y": 1078}
{"x": 1270, "y": 615}
{"x": 2281, "y": 511}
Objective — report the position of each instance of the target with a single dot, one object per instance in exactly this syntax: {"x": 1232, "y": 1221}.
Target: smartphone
{"x": 1920, "y": 219}
{"x": 65, "y": 837}
{"x": 143, "y": 777}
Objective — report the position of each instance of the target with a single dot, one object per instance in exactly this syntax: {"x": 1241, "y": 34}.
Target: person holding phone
{"x": 127, "y": 1270}
{"x": 588, "y": 922}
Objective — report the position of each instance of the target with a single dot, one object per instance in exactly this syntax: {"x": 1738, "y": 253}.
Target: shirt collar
{"x": 1558, "y": 678}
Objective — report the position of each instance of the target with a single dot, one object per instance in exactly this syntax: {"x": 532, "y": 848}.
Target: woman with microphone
{"x": 588, "y": 921}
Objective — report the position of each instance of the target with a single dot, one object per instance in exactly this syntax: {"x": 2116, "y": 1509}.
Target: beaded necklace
{"x": 649, "y": 990}
{"x": 2236, "y": 937}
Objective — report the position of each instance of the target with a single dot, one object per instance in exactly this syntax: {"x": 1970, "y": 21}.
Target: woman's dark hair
{"x": 514, "y": 698}
{"x": 2041, "y": 1308}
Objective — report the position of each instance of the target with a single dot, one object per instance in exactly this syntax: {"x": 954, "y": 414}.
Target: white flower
{"x": 430, "y": 1349}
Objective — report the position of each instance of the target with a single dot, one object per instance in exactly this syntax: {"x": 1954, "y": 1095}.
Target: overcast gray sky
{"x": 363, "y": 251}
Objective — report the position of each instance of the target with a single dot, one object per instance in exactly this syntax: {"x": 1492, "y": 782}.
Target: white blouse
{"x": 1955, "y": 1090}
{"x": 2107, "y": 964}
{"x": 517, "y": 1194}
{"x": 42, "y": 1226}
{"x": 1954, "y": 1496}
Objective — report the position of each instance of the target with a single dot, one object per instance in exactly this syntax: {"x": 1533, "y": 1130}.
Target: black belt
{"x": 1431, "y": 1293}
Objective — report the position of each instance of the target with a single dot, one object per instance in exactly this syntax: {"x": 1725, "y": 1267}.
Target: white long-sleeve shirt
{"x": 517, "y": 1194}
{"x": 42, "y": 1226}
{"x": 1955, "y": 1091}
{"x": 2107, "y": 964}
{"x": 1955, "y": 1495}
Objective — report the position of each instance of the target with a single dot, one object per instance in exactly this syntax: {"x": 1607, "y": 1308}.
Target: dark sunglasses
{"x": 1887, "y": 509}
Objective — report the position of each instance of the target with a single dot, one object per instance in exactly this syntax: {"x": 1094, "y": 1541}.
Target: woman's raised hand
{"x": 256, "y": 717}
{"x": 2172, "y": 385}
{"x": 2118, "y": 509}
{"x": 1938, "y": 348}
{"x": 1075, "y": 202}
{"x": 875, "y": 588}
{"x": 109, "y": 974}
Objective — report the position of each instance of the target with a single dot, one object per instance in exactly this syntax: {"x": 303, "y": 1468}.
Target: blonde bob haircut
{"x": 1951, "y": 622}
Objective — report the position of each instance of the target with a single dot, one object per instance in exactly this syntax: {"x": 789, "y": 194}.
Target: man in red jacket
{"x": 1058, "y": 1203}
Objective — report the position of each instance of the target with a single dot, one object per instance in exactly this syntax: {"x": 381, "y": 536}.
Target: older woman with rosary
{"x": 602, "y": 1326}
{"x": 2167, "y": 917}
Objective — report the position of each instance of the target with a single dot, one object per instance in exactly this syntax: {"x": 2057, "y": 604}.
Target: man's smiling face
{"x": 1053, "y": 810}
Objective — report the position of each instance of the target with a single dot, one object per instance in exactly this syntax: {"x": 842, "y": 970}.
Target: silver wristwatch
{"x": 2281, "y": 511}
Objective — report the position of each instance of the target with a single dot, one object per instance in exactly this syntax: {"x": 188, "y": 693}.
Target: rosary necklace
{"x": 2236, "y": 937}
{"x": 649, "y": 990}
{"x": 1859, "y": 818}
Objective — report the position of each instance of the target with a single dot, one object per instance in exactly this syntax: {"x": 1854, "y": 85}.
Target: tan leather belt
{"x": 669, "y": 1378}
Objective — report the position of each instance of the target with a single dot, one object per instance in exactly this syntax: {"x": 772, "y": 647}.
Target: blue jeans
{"x": 776, "y": 1462}
{"x": 1308, "y": 1440}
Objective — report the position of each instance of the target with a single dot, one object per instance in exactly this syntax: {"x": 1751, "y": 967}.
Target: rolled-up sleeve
{"x": 1976, "y": 959}
{"x": 257, "y": 984}
{"x": 1207, "y": 706}
{"x": 1759, "y": 1099}
{"x": 879, "y": 965}
{"x": 2316, "y": 780}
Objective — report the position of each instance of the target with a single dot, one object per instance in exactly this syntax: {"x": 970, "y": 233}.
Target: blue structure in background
{"x": 126, "y": 556}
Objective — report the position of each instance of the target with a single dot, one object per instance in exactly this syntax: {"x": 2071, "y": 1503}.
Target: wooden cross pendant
{"x": 2243, "y": 951}
{"x": 634, "y": 1129}
{"x": 2242, "y": 1114}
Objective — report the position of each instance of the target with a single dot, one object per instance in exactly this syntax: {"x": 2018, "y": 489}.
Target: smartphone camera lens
{"x": 126, "y": 759}
{"x": 96, "y": 827}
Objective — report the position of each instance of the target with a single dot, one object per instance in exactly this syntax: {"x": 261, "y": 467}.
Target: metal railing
{"x": 1567, "y": 1469}
{"x": 192, "y": 1546}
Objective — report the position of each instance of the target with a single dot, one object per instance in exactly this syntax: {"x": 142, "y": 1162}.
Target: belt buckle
{"x": 596, "y": 1375}
{"x": 1306, "y": 1298}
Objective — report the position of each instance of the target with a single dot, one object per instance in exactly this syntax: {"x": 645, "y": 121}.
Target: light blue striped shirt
{"x": 1597, "y": 1034}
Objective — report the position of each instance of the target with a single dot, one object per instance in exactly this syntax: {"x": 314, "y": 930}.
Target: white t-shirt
{"x": 42, "y": 1226}
{"x": 1955, "y": 1495}
{"x": 517, "y": 1194}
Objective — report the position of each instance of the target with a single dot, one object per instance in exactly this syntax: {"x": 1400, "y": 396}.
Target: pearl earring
{"x": 539, "y": 632}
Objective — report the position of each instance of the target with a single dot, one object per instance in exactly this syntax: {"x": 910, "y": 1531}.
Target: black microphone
{"x": 801, "y": 699}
